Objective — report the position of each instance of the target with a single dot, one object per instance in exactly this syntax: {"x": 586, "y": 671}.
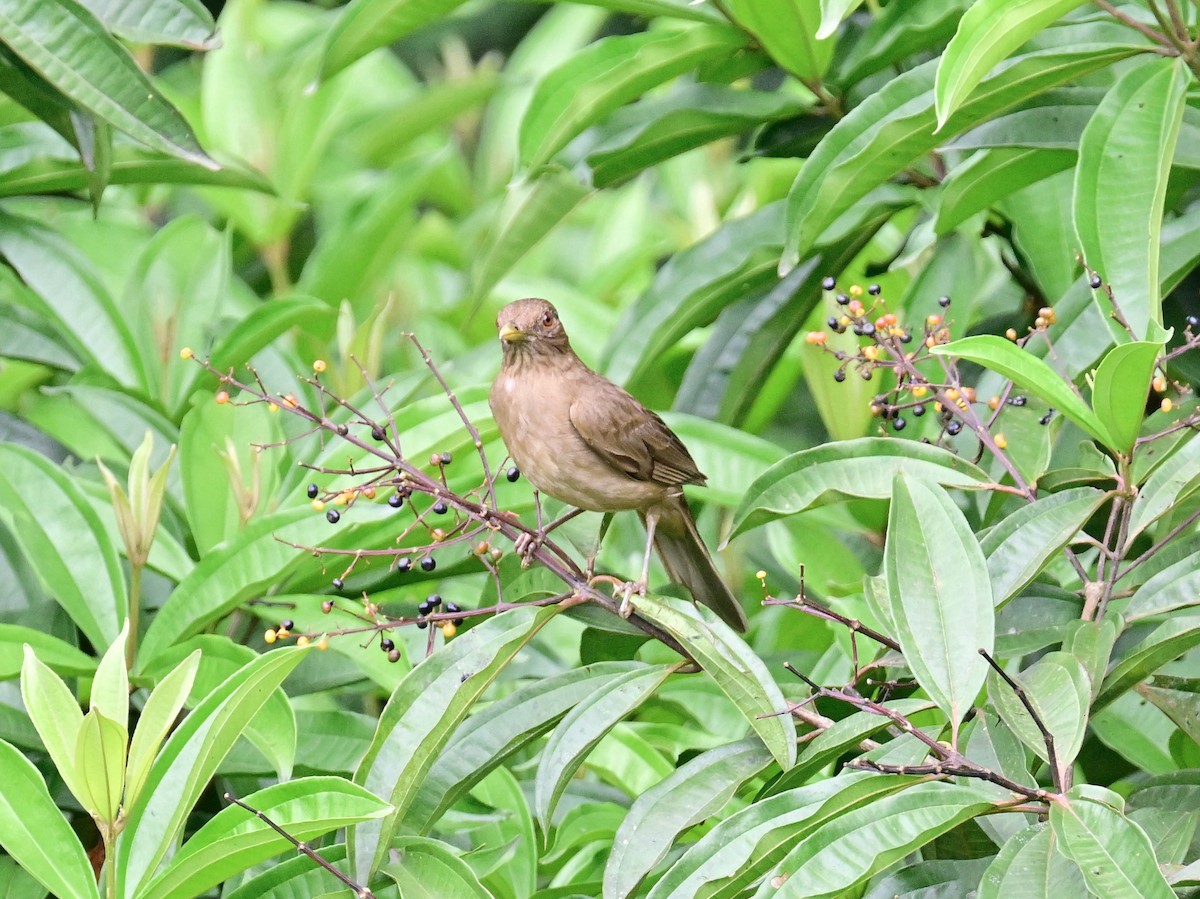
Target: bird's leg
{"x": 639, "y": 586}
{"x": 590, "y": 570}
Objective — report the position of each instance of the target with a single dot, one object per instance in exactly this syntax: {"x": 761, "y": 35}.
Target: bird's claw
{"x": 629, "y": 590}
{"x": 526, "y": 545}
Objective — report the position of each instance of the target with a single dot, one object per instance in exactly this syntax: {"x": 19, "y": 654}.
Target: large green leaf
{"x": 495, "y": 732}
{"x": 897, "y": 124}
{"x": 1119, "y": 390}
{"x": 992, "y": 175}
{"x": 865, "y": 467}
{"x": 366, "y": 25}
{"x": 187, "y": 761}
{"x": 1168, "y": 641}
{"x": 1030, "y": 373}
{"x": 35, "y": 833}
{"x": 1175, "y": 587}
{"x": 1121, "y": 186}
{"x": 693, "y": 792}
{"x": 1173, "y": 480}
{"x": 941, "y": 597}
{"x": 1029, "y": 865}
{"x": 186, "y": 23}
{"x": 71, "y": 49}
{"x": 1113, "y": 853}
{"x": 788, "y": 31}
{"x": 988, "y": 32}
{"x": 1058, "y": 688}
{"x": 420, "y": 716}
{"x": 584, "y": 726}
{"x": 735, "y": 668}
{"x": 64, "y": 540}
{"x": 608, "y": 74}
{"x": 234, "y": 840}
{"x": 1021, "y": 545}
{"x": 850, "y": 848}
{"x": 58, "y": 655}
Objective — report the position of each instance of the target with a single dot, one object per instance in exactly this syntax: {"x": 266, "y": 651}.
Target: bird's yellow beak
{"x": 510, "y": 333}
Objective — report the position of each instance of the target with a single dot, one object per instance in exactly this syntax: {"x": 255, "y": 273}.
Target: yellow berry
{"x": 497, "y": 553}
{"x": 270, "y": 636}
{"x": 438, "y": 535}
{"x": 185, "y": 353}
{"x": 760, "y": 574}
{"x": 271, "y": 407}
{"x": 871, "y": 352}
{"x": 855, "y": 290}
{"x": 816, "y": 338}
{"x": 919, "y": 390}
{"x": 1011, "y": 333}
{"x": 318, "y": 506}
{"x": 994, "y": 403}
{"x": 844, "y": 321}
{"x": 318, "y": 365}
{"x": 302, "y": 640}
{"x": 1039, "y": 323}
{"x": 290, "y": 401}
{"x": 1048, "y": 314}
{"x": 1166, "y": 405}
{"x": 930, "y": 342}
{"x": 449, "y": 630}
{"x": 483, "y": 548}
{"x": 322, "y": 644}
{"x": 1001, "y": 441}
{"x": 1159, "y": 384}
{"x": 344, "y": 497}
{"x": 222, "y": 397}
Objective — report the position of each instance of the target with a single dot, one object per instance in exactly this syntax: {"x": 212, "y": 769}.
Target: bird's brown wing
{"x": 630, "y": 437}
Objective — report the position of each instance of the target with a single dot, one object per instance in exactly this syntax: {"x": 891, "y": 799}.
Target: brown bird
{"x": 581, "y": 439}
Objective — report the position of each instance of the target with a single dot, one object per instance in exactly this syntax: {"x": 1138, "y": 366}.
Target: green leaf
{"x": 882, "y": 833}
{"x": 988, "y": 32}
{"x": 56, "y": 716}
{"x": 992, "y": 175}
{"x": 496, "y": 731}
{"x": 1058, "y": 687}
{"x": 693, "y": 792}
{"x": 734, "y": 667}
{"x": 896, "y": 125}
{"x": 897, "y": 32}
{"x": 833, "y": 12}
{"x": 69, "y": 47}
{"x": 866, "y": 467}
{"x": 1175, "y": 587}
{"x": 1113, "y": 854}
{"x": 1168, "y": 641}
{"x": 1170, "y": 483}
{"x": 738, "y": 851}
{"x": 531, "y": 207}
{"x": 64, "y": 541}
{"x": 608, "y": 74}
{"x": 73, "y": 297}
{"x": 294, "y": 877}
{"x": 1029, "y": 373}
{"x": 1178, "y": 699}
{"x": 100, "y": 765}
{"x": 1022, "y": 544}
{"x": 788, "y": 31}
{"x": 642, "y": 135}
{"x": 234, "y": 840}
{"x": 429, "y": 868}
{"x": 187, "y": 761}
{"x": 1120, "y": 388}
{"x": 584, "y": 726}
{"x": 420, "y": 716}
{"x": 1028, "y": 865}
{"x": 941, "y": 597}
{"x": 35, "y": 833}
{"x": 110, "y": 687}
{"x": 183, "y": 23}
{"x": 1121, "y": 186}
{"x": 56, "y": 654}
{"x": 155, "y": 722}
{"x": 366, "y": 25}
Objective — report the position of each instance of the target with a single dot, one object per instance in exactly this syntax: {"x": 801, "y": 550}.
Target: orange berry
{"x": 933, "y": 321}
{"x": 969, "y": 394}
{"x": 816, "y": 338}
{"x": 369, "y": 492}
{"x": 994, "y": 403}
{"x": 855, "y": 307}
{"x": 222, "y": 397}
{"x": 1011, "y": 333}
{"x": 1166, "y": 405}
{"x": 1159, "y": 384}
{"x": 290, "y": 401}
{"x": 322, "y": 644}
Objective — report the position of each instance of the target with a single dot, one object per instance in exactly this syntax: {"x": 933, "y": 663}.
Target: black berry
{"x": 395, "y": 500}
{"x": 439, "y": 508}
{"x": 1192, "y": 321}
{"x": 839, "y": 375}
{"x": 918, "y": 411}
{"x": 342, "y": 430}
{"x": 422, "y": 624}
{"x": 287, "y": 624}
{"x": 313, "y": 490}
{"x": 954, "y": 428}
{"x": 404, "y": 564}
{"x": 842, "y": 299}
{"x": 943, "y": 301}
{"x": 513, "y": 473}
{"x": 1017, "y": 401}
{"x": 828, "y": 283}
{"x": 428, "y": 563}
{"x": 874, "y": 290}
{"x": 338, "y": 583}
{"x": 899, "y": 424}
{"x": 333, "y": 516}
{"x": 451, "y": 607}
{"x": 1096, "y": 282}
{"x": 446, "y": 458}
{"x": 377, "y": 433}
{"x": 434, "y": 600}
{"x": 386, "y": 645}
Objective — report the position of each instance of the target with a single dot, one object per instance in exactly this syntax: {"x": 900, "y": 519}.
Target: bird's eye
{"x": 548, "y": 320}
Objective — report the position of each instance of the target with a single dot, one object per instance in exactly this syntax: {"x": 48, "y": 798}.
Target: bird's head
{"x": 531, "y": 325}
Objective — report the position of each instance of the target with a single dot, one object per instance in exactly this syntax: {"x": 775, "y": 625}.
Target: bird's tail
{"x": 687, "y": 562}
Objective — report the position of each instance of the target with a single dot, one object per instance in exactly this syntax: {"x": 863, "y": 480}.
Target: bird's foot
{"x": 528, "y": 543}
{"x": 629, "y": 590}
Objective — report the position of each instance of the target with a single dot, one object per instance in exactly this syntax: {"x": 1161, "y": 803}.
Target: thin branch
{"x": 1047, "y": 737}
{"x": 360, "y": 891}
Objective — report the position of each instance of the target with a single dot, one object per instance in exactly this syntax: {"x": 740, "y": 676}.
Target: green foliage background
{"x": 292, "y": 183}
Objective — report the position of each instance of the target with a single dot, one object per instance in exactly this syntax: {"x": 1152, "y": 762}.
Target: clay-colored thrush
{"x": 581, "y": 439}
